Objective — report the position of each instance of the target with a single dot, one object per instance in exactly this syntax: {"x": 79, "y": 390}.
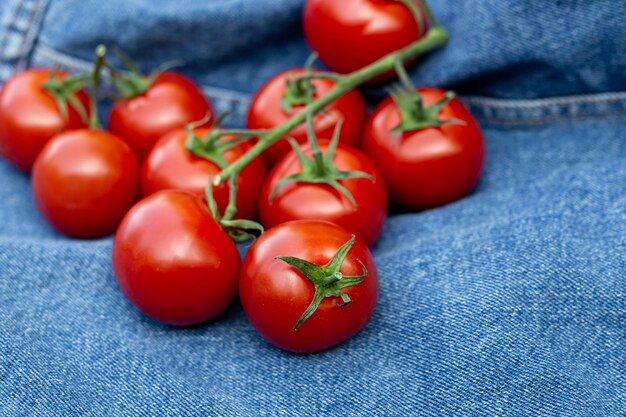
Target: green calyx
{"x": 414, "y": 114}
{"x": 210, "y": 147}
{"x": 299, "y": 90}
{"x": 327, "y": 279}
{"x": 320, "y": 169}
{"x": 133, "y": 83}
{"x": 65, "y": 92}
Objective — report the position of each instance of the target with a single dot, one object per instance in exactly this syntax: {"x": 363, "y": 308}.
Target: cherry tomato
{"x": 274, "y": 295}
{"x": 84, "y": 181}
{"x": 171, "y": 102}
{"x": 300, "y": 200}
{"x": 428, "y": 167}
{"x": 170, "y": 166}
{"x": 173, "y": 261}
{"x": 265, "y": 113}
{"x": 350, "y": 34}
{"x": 30, "y": 116}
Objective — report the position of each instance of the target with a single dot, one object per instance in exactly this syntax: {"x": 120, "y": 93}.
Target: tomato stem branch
{"x": 94, "y": 121}
{"x": 435, "y": 38}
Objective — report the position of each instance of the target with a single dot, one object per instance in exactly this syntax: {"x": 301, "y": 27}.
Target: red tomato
{"x": 173, "y": 261}
{"x": 170, "y": 166}
{"x": 266, "y": 113}
{"x": 351, "y": 34}
{"x": 300, "y": 200}
{"x": 30, "y": 116}
{"x": 84, "y": 181}
{"x": 171, "y": 102}
{"x": 274, "y": 295}
{"x": 429, "y": 167}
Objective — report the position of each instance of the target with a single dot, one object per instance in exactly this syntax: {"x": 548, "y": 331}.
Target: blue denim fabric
{"x": 510, "y": 302}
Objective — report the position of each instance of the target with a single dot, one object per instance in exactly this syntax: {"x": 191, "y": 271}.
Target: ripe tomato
{"x": 170, "y": 166}
{"x": 350, "y": 34}
{"x": 301, "y": 200}
{"x": 265, "y": 113}
{"x": 30, "y": 116}
{"x": 428, "y": 167}
{"x": 171, "y": 102}
{"x": 84, "y": 181}
{"x": 173, "y": 261}
{"x": 274, "y": 294}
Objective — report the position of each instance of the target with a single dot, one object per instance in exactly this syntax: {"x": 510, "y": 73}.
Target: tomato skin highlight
{"x": 170, "y": 166}
{"x": 30, "y": 117}
{"x": 266, "y": 113}
{"x": 84, "y": 181}
{"x": 173, "y": 261}
{"x": 274, "y": 295}
{"x": 300, "y": 201}
{"x": 171, "y": 102}
{"x": 351, "y": 34}
{"x": 430, "y": 167}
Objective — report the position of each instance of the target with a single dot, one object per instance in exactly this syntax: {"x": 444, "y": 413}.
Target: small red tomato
{"x": 266, "y": 113}
{"x": 276, "y": 296}
{"x": 173, "y": 261}
{"x": 84, "y": 181}
{"x": 429, "y": 167}
{"x": 298, "y": 200}
{"x": 30, "y": 116}
{"x": 170, "y": 102}
{"x": 351, "y": 34}
{"x": 170, "y": 166}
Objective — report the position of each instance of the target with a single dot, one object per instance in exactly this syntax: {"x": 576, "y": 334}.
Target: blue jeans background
{"x": 510, "y": 302}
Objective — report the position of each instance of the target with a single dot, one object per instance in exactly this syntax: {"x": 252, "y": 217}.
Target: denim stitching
{"x": 507, "y": 112}
{"x": 10, "y": 27}
{"x": 30, "y": 34}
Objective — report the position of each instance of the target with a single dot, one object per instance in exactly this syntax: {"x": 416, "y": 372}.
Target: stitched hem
{"x": 505, "y": 112}
{"x": 22, "y": 27}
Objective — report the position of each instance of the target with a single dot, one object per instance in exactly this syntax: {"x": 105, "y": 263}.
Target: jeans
{"x": 510, "y": 302}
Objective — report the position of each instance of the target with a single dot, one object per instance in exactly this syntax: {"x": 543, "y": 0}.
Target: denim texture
{"x": 510, "y": 302}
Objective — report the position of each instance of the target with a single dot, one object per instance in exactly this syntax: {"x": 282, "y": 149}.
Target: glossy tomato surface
{"x": 30, "y": 116}
{"x": 300, "y": 200}
{"x": 170, "y": 166}
{"x": 266, "y": 113}
{"x": 171, "y": 102}
{"x": 350, "y": 34}
{"x": 430, "y": 167}
{"x": 84, "y": 182}
{"x": 274, "y": 295}
{"x": 173, "y": 261}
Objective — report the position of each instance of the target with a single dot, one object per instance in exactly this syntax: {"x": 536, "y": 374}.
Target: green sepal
{"x": 210, "y": 147}
{"x": 320, "y": 169}
{"x": 242, "y": 230}
{"x": 64, "y": 92}
{"x": 134, "y": 83}
{"x": 327, "y": 279}
{"x": 415, "y": 115}
{"x": 299, "y": 91}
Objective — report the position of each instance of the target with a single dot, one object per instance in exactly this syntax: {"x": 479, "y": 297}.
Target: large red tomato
{"x": 266, "y": 113}
{"x": 274, "y": 294}
{"x": 172, "y": 101}
{"x": 173, "y": 261}
{"x": 30, "y": 116}
{"x": 300, "y": 200}
{"x": 350, "y": 34}
{"x": 170, "y": 166}
{"x": 84, "y": 182}
{"x": 427, "y": 167}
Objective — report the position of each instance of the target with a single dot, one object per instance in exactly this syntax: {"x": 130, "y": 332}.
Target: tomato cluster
{"x": 309, "y": 281}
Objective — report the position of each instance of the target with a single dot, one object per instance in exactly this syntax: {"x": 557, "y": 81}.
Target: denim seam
{"x": 507, "y": 112}
{"x": 29, "y": 12}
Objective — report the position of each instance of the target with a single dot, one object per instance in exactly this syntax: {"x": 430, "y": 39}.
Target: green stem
{"x": 94, "y": 121}
{"x": 403, "y": 75}
{"x": 435, "y": 37}
{"x": 231, "y": 209}
{"x": 429, "y": 13}
{"x": 417, "y": 14}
